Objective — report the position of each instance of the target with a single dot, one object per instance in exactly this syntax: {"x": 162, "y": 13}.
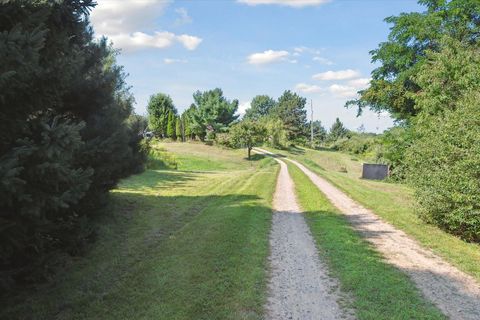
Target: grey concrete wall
{"x": 374, "y": 171}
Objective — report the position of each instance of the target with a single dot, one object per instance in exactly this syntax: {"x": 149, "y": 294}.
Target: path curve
{"x": 454, "y": 292}
{"x": 299, "y": 286}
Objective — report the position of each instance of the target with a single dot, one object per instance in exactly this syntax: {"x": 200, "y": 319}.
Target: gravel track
{"x": 299, "y": 286}
{"x": 454, "y": 292}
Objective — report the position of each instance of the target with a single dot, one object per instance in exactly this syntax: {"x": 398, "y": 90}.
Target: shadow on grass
{"x": 256, "y": 157}
{"x": 159, "y": 251}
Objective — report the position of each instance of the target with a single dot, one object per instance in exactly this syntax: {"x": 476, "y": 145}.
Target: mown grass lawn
{"x": 172, "y": 245}
{"x": 377, "y": 290}
{"x": 392, "y": 202}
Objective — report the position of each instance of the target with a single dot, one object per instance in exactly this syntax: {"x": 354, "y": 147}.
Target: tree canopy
{"x": 212, "y": 111}
{"x": 402, "y": 55}
{"x": 261, "y": 106}
{"x": 248, "y": 134}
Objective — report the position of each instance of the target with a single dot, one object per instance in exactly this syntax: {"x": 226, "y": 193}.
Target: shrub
{"x": 444, "y": 168}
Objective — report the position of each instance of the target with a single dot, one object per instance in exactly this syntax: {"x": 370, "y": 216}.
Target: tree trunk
{"x": 249, "y": 151}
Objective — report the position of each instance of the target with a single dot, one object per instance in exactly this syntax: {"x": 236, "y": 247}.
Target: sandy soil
{"x": 299, "y": 286}
{"x": 455, "y": 293}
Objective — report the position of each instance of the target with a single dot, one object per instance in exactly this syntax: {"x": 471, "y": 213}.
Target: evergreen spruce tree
{"x": 64, "y": 136}
{"x": 178, "y": 128}
{"x": 171, "y": 125}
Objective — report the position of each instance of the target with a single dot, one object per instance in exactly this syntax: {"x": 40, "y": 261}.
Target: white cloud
{"x": 137, "y": 40}
{"x": 337, "y": 75}
{"x": 189, "y": 42}
{"x": 289, "y": 3}
{"x": 242, "y": 107}
{"x": 130, "y": 24}
{"x": 323, "y": 60}
{"x": 343, "y": 91}
{"x": 307, "y": 88}
{"x": 359, "y": 83}
{"x": 126, "y": 16}
{"x": 171, "y": 61}
{"x": 268, "y": 56}
{"x": 183, "y": 18}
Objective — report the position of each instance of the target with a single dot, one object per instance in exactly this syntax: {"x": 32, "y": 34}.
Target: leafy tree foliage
{"x": 276, "y": 135}
{"x": 260, "y": 107}
{"x": 444, "y": 168}
{"x": 444, "y": 156}
{"x": 212, "y": 112}
{"x": 291, "y": 110}
{"x": 400, "y": 57}
{"x": 159, "y": 108}
{"x": 446, "y": 76}
{"x": 66, "y": 132}
{"x": 247, "y": 134}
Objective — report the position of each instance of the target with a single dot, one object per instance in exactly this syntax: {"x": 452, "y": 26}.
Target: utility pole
{"x": 311, "y": 123}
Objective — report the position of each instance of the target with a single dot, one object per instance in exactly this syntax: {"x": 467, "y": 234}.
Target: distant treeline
{"x": 67, "y": 134}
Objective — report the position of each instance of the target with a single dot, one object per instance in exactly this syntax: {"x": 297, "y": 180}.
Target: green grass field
{"x": 186, "y": 244}
{"x": 378, "y": 290}
{"x": 393, "y": 202}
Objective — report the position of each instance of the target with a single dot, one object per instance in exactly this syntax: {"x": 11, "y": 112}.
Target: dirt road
{"x": 455, "y": 293}
{"x": 299, "y": 286}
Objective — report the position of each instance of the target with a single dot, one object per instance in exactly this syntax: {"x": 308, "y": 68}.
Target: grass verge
{"x": 379, "y": 290}
{"x": 172, "y": 245}
{"x": 392, "y": 202}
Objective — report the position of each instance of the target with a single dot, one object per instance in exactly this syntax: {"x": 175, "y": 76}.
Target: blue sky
{"x": 317, "y": 48}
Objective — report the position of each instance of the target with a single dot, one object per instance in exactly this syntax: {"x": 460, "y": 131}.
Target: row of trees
{"x": 428, "y": 79}
{"x": 211, "y": 113}
{"x": 278, "y": 122}
{"x": 67, "y": 133}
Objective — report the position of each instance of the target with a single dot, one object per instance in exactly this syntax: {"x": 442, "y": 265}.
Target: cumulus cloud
{"x": 322, "y": 60}
{"x": 307, "y": 88}
{"x": 288, "y": 3}
{"x": 343, "y": 91}
{"x": 126, "y": 16}
{"x": 130, "y": 24}
{"x": 242, "y": 107}
{"x": 268, "y": 56}
{"x": 337, "y": 75}
{"x": 189, "y": 42}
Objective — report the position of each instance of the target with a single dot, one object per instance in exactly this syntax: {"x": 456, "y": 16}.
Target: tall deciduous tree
{"x": 411, "y": 36}
{"x": 159, "y": 107}
{"x": 247, "y": 134}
